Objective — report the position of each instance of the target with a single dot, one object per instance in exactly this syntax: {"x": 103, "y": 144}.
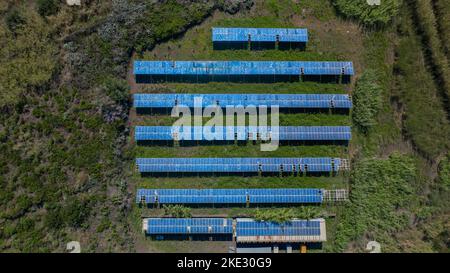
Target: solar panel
{"x": 299, "y": 35}
{"x": 290, "y": 101}
{"x": 229, "y": 196}
{"x": 161, "y": 226}
{"x": 249, "y": 230}
{"x": 237, "y": 165}
{"x": 231, "y": 133}
{"x": 224, "y": 68}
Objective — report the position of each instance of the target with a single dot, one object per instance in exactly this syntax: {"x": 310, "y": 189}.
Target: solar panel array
{"x": 229, "y": 196}
{"x": 299, "y": 35}
{"x": 230, "y": 68}
{"x": 243, "y": 133}
{"x": 245, "y": 230}
{"x": 249, "y": 230}
{"x": 237, "y": 165}
{"x": 282, "y": 100}
{"x": 157, "y": 226}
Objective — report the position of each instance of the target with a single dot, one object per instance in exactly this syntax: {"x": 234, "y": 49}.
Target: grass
{"x": 425, "y": 117}
{"x": 253, "y": 88}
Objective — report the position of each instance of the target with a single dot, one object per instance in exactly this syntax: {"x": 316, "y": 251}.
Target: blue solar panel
{"x": 229, "y": 196}
{"x": 157, "y": 226}
{"x": 249, "y": 227}
{"x": 259, "y": 34}
{"x": 231, "y": 133}
{"x": 229, "y": 68}
{"x": 293, "y": 101}
{"x": 236, "y": 165}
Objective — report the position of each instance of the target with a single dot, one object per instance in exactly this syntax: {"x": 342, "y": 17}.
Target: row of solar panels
{"x": 237, "y": 165}
{"x": 242, "y": 68}
{"x": 189, "y": 226}
{"x": 229, "y": 196}
{"x": 223, "y": 100}
{"x": 299, "y": 35}
{"x": 245, "y": 230}
{"x": 243, "y": 133}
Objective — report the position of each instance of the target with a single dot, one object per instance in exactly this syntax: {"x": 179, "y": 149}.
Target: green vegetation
{"x": 282, "y": 215}
{"x": 369, "y": 14}
{"x": 381, "y": 198}
{"x": 177, "y": 211}
{"x": 444, "y": 173}
{"x": 47, "y": 7}
{"x": 425, "y": 117}
{"x": 27, "y": 55}
{"x": 442, "y": 10}
{"x": 367, "y": 100}
{"x": 116, "y": 89}
{"x": 14, "y": 20}
{"x": 427, "y": 25}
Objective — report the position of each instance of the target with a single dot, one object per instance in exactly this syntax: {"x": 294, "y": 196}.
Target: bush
{"x": 14, "y": 20}
{"x": 367, "y": 100}
{"x": 47, "y": 7}
{"x": 76, "y": 212}
{"x": 177, "y": 211}
{"x": 54, "y": 219}
{"x": 444, "y": 173}
{"x": 116, "y": 89}
{"x": 369, "y": 14}
{"x": 274, "y": 215}
{"x": 281, "y": 215}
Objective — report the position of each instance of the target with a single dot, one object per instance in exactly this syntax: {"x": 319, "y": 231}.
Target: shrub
{"x": 47, "y": 7}
{"x": 27, "y": 60}
{"x": 14, "y": 20}
{"x": 76, "y": 212}
{"x": 177, "y": 211}
{"x": 54, "y": 219}
{"x": 369, "y": 14}
{"x": 116, "y": 89}
{"x": 274, "y": 215}
{"x": 367, "y": 100}
{"x": 444, "y": 172}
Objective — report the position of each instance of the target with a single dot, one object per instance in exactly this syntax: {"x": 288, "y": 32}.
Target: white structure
{"x": 73, "y": 2}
